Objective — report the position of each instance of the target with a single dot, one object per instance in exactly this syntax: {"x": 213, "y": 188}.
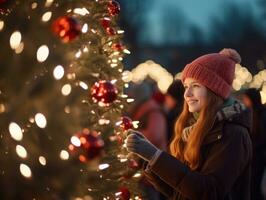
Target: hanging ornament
{"x": 133, "y": 164}
{"x": 118, "y": 47}
{"x": 105, "y": 22}
{"x": 110, "y": 31}
{"x": 113, "y": 8}
{"x": 125, "y": 123}
{"x": 67, "y": 28}
{"x": 124, "y": 193}
{"x": 5, "y": 6}
{"x": 87, "y": 145}
{"x": 119, "y": 139}
{"x": 104, "y": 92}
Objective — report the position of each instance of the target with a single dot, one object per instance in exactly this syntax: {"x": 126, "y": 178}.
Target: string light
{"x": 15, "y": 131}
{"x": 42, "y": 53}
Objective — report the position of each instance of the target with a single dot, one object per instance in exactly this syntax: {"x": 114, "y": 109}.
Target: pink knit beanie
{"x": 215, "y": 71}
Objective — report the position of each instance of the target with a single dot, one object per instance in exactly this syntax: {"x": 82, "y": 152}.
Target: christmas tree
{"x": 61, "y": 102}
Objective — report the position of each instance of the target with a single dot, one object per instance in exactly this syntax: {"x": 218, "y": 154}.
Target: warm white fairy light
{"x": 67, "y": 109}
{"x": 114, "y": 60}
{"x": 126, "y": 76}
{"x": 81, "y": 11}
{"x": 178, "y": 76}
{"x": 85, "y": 28}
{"x": 20, "y": 48}
{"x": 118, "y": 193}
{"x": 126, "y": 51}
{"x": 40, "y": 120}
{"x": 64, "y": 155}
{"x": 130, "y": 100}
{"x": 83, "y": 85}
{"x": 263, "y": 93}
{"x": 135, "y": 124}
{"x": 137, "y": 175}
{"x": 236, "y": 84}
{"x": 15, "y": 131}
{"x": 163, "y": 84}
{"x": 75, "y": 141}
{"x": 2, "y": 108}
{"x": 21, "y": 151}
{"x": 1, "y": 25}
{"x": 154, "y": 71}
{"x": 113, "y": 65}
{"x": 48, "y": 3}
{"x": 113, "y": 81}
{"x": 103, "y": 166}
{"x": 42, "y": 160}
{"x": 42, "y": 53}
{"x": 47, "y": 16}
{"x": 31, "y": 120}
{"x": 78, "y": 54}
{"x": 58, "y": 72}
{"x": 66, "y": 89}
{"x": 85, "y": 49}
{"x": 123, "y": 160}
{"x": 15, "y": 39}
{"x": 25, "y": 170}
{"x": 103, "y": 121}
{"x": 126, "y": 85}
{"x": 120, "y": 31}
{"x": 34, "y": 5}
{"x": 71, "y": 76}
{"x": 124, "y": 95}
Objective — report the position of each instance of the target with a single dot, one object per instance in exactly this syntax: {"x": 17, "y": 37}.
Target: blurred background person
{"x": 152, "y": 123}
{"x": 252, "y": 99}
{"x": 173, "y": 105}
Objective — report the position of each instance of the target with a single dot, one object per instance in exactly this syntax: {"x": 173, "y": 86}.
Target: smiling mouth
{"x": 192, "y": 101}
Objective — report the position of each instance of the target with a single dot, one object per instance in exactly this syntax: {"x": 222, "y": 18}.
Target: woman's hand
{"x": 138, "y": 144}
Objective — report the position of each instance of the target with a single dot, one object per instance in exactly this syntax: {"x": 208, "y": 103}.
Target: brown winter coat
{"x": 225, "y": 169}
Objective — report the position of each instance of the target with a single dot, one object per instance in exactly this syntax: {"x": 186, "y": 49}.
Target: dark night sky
{"x": 192, "y": 12}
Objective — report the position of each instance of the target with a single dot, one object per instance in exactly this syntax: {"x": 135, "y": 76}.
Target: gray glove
{"x": 138, "y": 144}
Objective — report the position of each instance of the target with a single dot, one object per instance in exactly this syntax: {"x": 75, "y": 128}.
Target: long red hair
{"x": 190, "y": 151}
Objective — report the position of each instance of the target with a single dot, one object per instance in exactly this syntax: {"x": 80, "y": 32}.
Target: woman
{"x": 210, "y": 155}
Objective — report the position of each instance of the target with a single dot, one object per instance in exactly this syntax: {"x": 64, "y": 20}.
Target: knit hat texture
{"x": 215, "y": 71}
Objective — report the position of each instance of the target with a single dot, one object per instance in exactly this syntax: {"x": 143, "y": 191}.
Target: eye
{"x": 185, "y": 87}
{"x": 195, "y": 85}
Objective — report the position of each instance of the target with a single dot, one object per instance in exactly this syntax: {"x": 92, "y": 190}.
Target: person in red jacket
{"x": 211, "y": 152}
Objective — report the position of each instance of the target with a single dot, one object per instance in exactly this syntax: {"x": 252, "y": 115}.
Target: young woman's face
{"x": 195, "y": 94}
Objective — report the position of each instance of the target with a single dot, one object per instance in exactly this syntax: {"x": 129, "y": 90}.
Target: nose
{"x": 187, "y": 92}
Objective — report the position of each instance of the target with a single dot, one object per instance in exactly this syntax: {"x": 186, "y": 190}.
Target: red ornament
{"x": 133, "y": 164}
{"x": 126, "y": 123}
{"x": 119, "y": 139}
{"x": 110, "y": 31}
{"x": 105, "y": 22}
{"x": 5, "y": 6}
{"x": 124, "y": 193}
{"x": 118, "y": 47}
{"x": 113, "y": 8}
{"x": 67, "y": 28}
{"x": 104, "y": 92}
{"x": 87, "y": 144}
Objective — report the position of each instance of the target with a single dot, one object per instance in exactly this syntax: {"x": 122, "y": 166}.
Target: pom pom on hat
{"x": 215, "y": 71}
{"x": 231, "y": 53}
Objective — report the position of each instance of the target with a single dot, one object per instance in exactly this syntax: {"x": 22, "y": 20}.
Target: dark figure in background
{"x": 152, "y": 123}
{"x": 252, "y": 99}
{"x": 173, "y": 104}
